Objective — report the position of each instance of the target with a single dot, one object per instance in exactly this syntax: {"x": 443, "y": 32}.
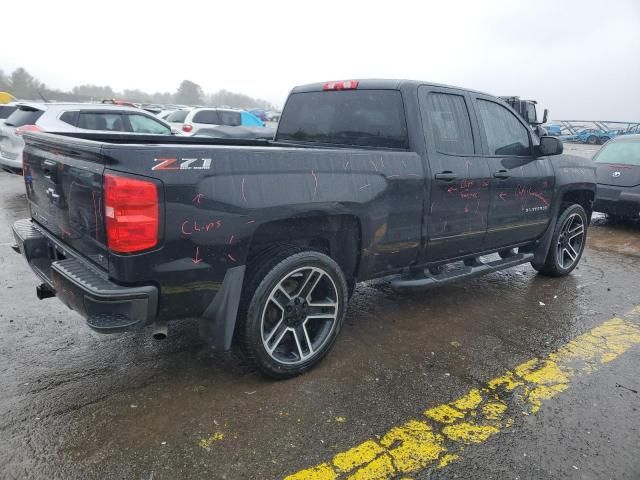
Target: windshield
{"x": 368, "y": 118}
{"x": 621, "y": 152}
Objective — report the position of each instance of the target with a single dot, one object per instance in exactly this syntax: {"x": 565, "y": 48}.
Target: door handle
{"x": 446, "y": 176}
{"x": 502, "y": 174}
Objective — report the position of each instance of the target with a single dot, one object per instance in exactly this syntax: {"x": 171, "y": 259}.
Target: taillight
{"x": 341, "y": 85}
{"x": 27, "y": 128}
{"x": 131, "y": 213}
{"x": 187, "y": 128}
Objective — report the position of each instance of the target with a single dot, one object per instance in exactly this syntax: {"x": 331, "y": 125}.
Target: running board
{"x": 409, "y": 284}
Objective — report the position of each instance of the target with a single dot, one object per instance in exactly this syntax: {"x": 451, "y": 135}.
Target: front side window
{"x": 144, "y": 124}
{"x": 449, "y": 123}
{"x": 108, "y": 121}
{"x": 505, "y": 135}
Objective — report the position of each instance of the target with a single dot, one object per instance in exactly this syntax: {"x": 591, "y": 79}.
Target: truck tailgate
{"x": 64, "y": 192}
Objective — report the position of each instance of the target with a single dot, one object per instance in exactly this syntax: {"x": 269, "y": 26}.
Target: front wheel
{"x": 592, "y": 140}
{"x": 568, "y": 242}
{"x": 292, "y": 310}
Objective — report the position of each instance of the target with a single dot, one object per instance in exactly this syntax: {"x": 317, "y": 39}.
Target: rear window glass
{"x": 367, "y": 118}
{"x": 178, "y": 116}
{"x": 621, "y": 152}
{"x": 6, "y": 110}
{"x": 229, "y": 118}
{"x": 207, "y": 116}
{"x": 450, "y": 127}
{"x": 23, "y": 116}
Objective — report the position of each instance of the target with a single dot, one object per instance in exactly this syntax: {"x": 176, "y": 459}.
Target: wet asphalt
{"x": 75, "y": 404}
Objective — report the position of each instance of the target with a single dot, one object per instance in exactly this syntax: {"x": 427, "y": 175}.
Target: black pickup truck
{"x": 264, "y": 241}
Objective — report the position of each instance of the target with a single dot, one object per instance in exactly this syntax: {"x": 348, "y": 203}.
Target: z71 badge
{"x": 182, "y": 164}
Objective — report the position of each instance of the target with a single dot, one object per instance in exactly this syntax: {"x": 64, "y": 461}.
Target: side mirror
{"x": 545, "y": 115}
{"x": 550, "y": 146}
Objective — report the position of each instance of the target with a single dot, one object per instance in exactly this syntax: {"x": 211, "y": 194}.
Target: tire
{"x": 592, "y": 140}
{"x": 283, "y": 331}
{"x": 604, "y": 140}
{"x": 567, "y": 243}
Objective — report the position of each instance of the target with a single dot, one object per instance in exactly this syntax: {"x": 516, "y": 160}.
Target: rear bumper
{"x": 106, "y": 306}
{"x": 623, "y": 201}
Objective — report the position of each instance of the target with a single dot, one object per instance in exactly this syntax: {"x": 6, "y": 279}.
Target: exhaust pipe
{"x": 160, "y": 330}
{"x": 44, "y": 291}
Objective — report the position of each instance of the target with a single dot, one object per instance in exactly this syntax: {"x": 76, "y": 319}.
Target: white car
{"x": 190, "y": 121}
{"x": 71, "y": 117}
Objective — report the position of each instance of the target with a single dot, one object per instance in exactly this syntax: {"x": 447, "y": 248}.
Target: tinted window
{"x": 449, "y": 125}
{"x": 6, "y": 110}
{"x": 144, "y": 124}
{"x": 178, "y": 116}
{"x": 101, "y": 121}
{"x": 207, "y": 116}
{"x": 229, "y": 118}
{"x": 504, "y": 133}
{"x": 369, "y": 118}
{"x": 70, "y": 117}
{"x": 24, "y": 116}
{"x": 624, "y": 152}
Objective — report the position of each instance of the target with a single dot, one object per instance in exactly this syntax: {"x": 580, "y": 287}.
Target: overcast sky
{"x": 579, "y": 58}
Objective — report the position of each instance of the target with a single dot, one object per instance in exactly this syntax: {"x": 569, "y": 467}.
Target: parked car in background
{"x": 164, "y": 114}
{"x": 618, "y": 172}
{"x": 70, "y": 117}
{"x": 190, "y": 121}
{"x": 6, "y": 110}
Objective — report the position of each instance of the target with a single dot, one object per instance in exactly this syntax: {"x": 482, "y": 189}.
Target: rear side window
{"x": 504, "y": 133}
{"x": 6, "y": 110}
{"x": 207, "y": 116}
{"x": 624, "y": 152}
{"x": 24, "y": 116}
{"x": 367, "y": 118}
{"x": 178, "y": 116}
{"x": 70, "y": 117}
{"x": 229, "y": 118}
{"x": 144, "y": 124}
{"x": 101, "y": 121}
{"x": 449, "y": 123}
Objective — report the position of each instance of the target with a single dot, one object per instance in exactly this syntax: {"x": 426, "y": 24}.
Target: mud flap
{"x": 219, "y": 319}
{"x": 542, "y": 249}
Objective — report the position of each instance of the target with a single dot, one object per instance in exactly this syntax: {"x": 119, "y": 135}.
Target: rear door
{"x": 456, "y": 217}
{"x": 64, "y": 192}
{"x": 521, "y": 184}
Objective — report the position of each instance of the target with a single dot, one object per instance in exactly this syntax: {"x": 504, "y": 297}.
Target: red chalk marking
{"x": 231, "y": 257}
{"x": 374, "y": 165}
{"x": 540, "y": 197}
{"x": 196, "y": 259}
{"x": 184, "y": 232}
{"x": 452, "y": 189}
{"x": 315, "y": 180}
{"x": 502, "y": 196}
{"x": 198, "y": 198}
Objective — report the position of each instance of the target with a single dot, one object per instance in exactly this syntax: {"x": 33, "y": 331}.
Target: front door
{"x": 456, "y": 215}
{"x": 521, "y": 184}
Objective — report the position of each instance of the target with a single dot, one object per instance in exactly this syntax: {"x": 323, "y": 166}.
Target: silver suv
{"x": 71, "y": 117}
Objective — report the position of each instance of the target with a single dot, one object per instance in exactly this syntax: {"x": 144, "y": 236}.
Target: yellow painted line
{"x": 441, "y": 434}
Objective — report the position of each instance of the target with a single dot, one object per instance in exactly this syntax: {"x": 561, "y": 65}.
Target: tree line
{"x": 22, "y": 85}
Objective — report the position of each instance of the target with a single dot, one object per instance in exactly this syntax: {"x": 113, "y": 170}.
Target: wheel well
{"x": 335, "y": 235}
{"x": 582, "y": 197}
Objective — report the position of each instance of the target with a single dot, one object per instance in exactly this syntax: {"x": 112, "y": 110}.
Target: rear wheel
{"x": 604, "y": 140}
{"x": 568, "y": 242}
{"x": 292, "y": 311}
